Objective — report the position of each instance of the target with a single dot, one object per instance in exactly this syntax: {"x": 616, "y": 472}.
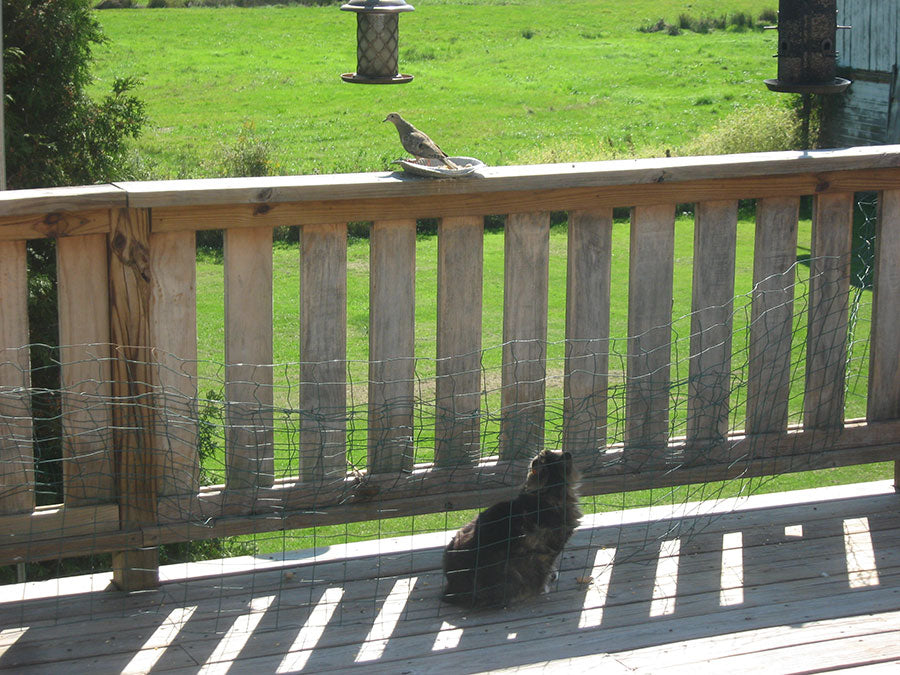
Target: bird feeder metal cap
{"x": 377, "y": 6}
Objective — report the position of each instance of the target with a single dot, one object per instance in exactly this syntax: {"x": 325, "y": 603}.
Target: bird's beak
{"x": 385, "y": 119}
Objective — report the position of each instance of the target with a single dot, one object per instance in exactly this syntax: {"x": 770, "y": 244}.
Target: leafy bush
{"x": 56, "y": 134}
{"x": 762, "y": 128}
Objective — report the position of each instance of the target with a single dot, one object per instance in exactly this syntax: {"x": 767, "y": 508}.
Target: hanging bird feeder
{"x": 807, "y": 59}
{"x": 377, "y": 43}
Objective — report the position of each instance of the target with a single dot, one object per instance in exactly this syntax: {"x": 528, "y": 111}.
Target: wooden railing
{"x": 127, "y": 324}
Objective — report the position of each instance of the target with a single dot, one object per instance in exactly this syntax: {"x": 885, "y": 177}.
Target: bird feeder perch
{"x": 377, "y": 43}
{"x": 807, "y": 59}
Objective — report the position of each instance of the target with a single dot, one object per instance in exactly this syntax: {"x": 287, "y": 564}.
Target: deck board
{"x": 344, "y": 607}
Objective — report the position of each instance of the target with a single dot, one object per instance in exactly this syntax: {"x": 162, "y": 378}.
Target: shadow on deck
{"x": 792, "y": 582}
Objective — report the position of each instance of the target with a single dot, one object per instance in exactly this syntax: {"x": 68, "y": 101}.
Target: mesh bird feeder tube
{"x": 807, "y": 58}
{"x": 377, "y": 41}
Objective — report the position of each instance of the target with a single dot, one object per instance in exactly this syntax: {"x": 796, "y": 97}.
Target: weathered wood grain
{"x": 16, "y": 452}
{"x": 473, "y": 199}
{"x": 323, "y": 351}
{"x": 829, "y": 287}
{"x": 61, "y": 199}
{"x": 883, "y": 401}
{"x": 772, "y": 314}
{"x": 261, "y": 193}
{"x": 843, "y": 625}
{"x": 137, "y": 462}
{"x": 83, "y": 297}
{"x": 173, "y": 334}
{"x": 459, "y": 300}
{"x": 249, "y": 442}
{"x": 709, "y": 388}
{"x": 526, "y": 265}
{"x": 651, "y": 266}
{"x": 56, "y": 224}
{"x": 392, "y": 299}
{"x": 589, "y": 265}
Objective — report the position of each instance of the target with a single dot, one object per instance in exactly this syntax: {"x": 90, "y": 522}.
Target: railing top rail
{"x": 388, "y": 185}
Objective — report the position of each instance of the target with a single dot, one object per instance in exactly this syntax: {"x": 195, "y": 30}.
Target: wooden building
{"x": 868, "y": 54}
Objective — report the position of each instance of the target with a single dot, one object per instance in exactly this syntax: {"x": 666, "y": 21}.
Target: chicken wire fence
{"x": 277, "y": 575}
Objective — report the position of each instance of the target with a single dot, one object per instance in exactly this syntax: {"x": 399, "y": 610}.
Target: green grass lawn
{"x": 508, "y": 82}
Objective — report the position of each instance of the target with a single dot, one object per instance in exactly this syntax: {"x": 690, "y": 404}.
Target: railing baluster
{"x": 772, "y": 314}
{"x": 392, "y": 297}
{"x": 829, "y": 288}
{"x": 323, "y": 351}
{"x": 589, "y": 261}
{"x": 458, "y": 386}
{"x": 173, "y": 334}
{"x": 715, "y": 237}
{"x": 82, "y": 272}
{"x": 651, "y": 266}
{"x": 16, "y": 445}
{"x": 884, "y": 358}
{"x": 137, "y": 466}
{"x": 250, "y": 439}
{"x": 525, "y": 288}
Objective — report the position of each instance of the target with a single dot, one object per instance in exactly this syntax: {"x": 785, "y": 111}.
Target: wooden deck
{"x": 794, "y": 582}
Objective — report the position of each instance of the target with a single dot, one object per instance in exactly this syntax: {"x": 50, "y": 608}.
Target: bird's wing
{"x": 425, "y": 146}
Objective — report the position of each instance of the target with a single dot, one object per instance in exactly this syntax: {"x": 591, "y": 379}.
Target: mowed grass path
{"x": 524, "y": 82}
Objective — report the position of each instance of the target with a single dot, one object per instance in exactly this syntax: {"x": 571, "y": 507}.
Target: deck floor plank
{"x": 798, "y": 610}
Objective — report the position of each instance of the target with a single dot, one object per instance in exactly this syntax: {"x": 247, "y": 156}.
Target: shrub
{"x": 155, "y": 4}
{"x": 248, "y": 156}
{"x": 56, "y": 134}
{"x": 762, "y": 128}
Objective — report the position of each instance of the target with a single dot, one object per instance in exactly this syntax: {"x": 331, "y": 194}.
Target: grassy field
{"x": 509, "y": 82}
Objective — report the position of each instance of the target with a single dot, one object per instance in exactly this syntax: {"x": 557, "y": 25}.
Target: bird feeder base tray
{"x": 836, "y": 86}
{"x": 434, "y": 168}
{"x": 356, "y": 78}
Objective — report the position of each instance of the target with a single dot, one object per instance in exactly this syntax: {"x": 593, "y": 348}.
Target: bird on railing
{"x": 416, "y": 142}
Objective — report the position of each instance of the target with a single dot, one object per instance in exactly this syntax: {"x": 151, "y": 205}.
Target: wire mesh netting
{"x": 330, "y": 492}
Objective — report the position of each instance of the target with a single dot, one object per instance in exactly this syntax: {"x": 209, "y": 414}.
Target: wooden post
{"x": 589, "y": 261}
{"x": 16, "y": 446}
{"x": 323, "y": 351}
{"x": 829, "y": 298}
{"x": 137, "y": 462}
{"x": 884, "y": 368}
{"x": 709, "y": 385}
{"x": 651, "y": 266}
{"x": 458, "y": 386}
{"x": 772, "y": 314}
{"x": 250, "y": 435}
{"x": 526, "y": 281}
{"x": 392, "y": 299}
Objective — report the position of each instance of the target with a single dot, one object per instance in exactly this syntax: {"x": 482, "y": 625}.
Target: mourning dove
{"x": 416, "y": 143}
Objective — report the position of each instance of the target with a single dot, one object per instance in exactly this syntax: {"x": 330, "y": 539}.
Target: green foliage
{"x": 762, "y": 128}
{"x": 249, "y": 155}
{"x": 211, "y": 422}
{"x": 56, "y": 134}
